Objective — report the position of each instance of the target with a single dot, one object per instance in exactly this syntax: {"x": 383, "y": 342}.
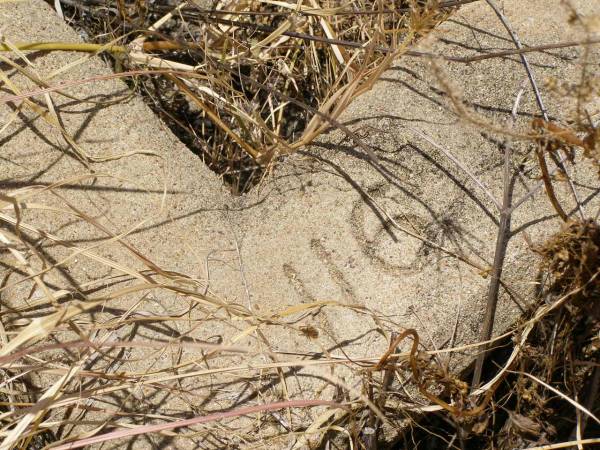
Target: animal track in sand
{"x": 385, "y": 247}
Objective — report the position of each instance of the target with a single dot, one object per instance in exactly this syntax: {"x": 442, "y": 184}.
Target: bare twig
{"x": 518, "y": 51}
{"x": 505, "y": 215}
{"x": 386, "y": 383}
{"x": 538, "y": 95}
{"x": 499, "y": 255}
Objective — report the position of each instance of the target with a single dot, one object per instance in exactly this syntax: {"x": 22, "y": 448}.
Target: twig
{"x": 538, "y": 96}
{"x": 515, "y": 107}
{"x": 500, "y": 253}
{"x": 518, "y": 51}
{"x": 565, "y": 397}
{"x": 566, "y": 444}
{"x": 539, "y": 152}
{"x": 388, "y": 374}
{"x": 388, "y": 378}
{"x": 505, "y": 215}
{"x": 524, "y": 60}
{"x": 64, "y": 46}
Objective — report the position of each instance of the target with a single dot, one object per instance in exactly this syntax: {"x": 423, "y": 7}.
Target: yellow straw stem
{"x": 66, "y": 46}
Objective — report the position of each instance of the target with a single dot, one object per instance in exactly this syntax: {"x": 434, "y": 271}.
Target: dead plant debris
{"x": 256, "y": 73}
{"x": 265, "y": 78}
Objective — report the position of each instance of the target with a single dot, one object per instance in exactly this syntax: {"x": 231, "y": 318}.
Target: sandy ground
{"x": 319, "y": 229}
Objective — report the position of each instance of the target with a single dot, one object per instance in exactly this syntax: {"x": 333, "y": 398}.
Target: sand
{"x": 319, "y": 230}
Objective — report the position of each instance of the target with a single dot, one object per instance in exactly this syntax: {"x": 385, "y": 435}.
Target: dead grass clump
{"x": 572, "y": 259}
{"x": 257, "y": 79}
{"x": 133, "y": 355}
{"x": 543, "y": 379}
{"x": 556, "y": 372}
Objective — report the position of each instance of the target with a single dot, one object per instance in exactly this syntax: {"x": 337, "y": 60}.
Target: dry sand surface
{"x": 319, "y": 229}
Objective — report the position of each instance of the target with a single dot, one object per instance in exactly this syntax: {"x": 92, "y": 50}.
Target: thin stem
{"x": 524, "y": 60}
{"x": 65, "y": 46}
{"x": 506, "y": 212}
{"x": 538, "y": 96}
{"x": 534, "y": 189}
{"x": 499, "y": 254}
{"x": 518, "y": 51}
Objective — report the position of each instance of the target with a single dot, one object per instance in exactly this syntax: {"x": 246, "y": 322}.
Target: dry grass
{"x": 265, "y": 78}
{"x": 75, "y": 371}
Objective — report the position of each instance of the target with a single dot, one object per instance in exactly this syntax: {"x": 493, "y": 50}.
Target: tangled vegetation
{"x": 245, "y": 83}
{"x": 256, "y": 80}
